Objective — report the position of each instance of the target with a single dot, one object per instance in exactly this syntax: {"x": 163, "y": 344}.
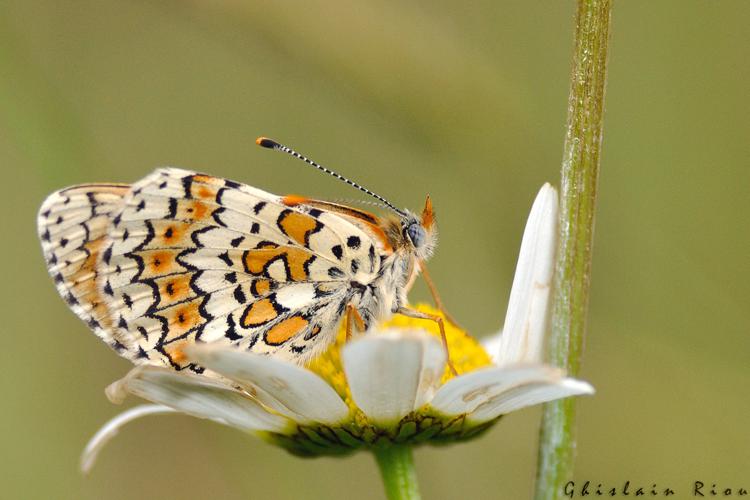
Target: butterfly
{"x": 181, "y": 257}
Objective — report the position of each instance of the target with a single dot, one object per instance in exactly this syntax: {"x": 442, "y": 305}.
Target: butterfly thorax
{"x": 409, "y": 239}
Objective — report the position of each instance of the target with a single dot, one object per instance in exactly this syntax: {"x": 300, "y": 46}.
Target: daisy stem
{"x": 580, "y": 172}
{"x": 396, "y": 465}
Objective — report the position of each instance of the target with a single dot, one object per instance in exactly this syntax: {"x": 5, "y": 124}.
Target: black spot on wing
{"x": 258, "y": 207}
{"x": 239, "y": 295}
{"x": 107, "y": 255}
{"x": 337, "y": 251}
{"x": 353, "y": 242}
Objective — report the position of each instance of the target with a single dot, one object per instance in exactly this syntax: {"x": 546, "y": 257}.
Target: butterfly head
{"x": 419, "y": 232}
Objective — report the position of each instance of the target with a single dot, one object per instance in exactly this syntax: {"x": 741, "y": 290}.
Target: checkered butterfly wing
{"x": 186, "y": 257}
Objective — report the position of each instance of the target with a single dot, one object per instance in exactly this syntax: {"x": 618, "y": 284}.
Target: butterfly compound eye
{"x": 416, "y": 234}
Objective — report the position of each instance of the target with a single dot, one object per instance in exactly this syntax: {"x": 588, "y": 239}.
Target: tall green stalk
{"x": 396, "y": 465}
{"x": 580, "y": 172}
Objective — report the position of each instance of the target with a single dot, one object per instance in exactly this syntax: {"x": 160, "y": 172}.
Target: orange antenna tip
{"x": 267, "y": 143}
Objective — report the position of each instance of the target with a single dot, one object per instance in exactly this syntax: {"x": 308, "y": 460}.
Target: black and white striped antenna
{"x": 271, "y": 144}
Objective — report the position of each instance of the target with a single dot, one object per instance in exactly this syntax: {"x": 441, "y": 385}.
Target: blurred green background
{"x": 465, "y": 102}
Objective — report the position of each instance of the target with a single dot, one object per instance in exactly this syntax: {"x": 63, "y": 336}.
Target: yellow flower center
{"x": 465, "y": 352}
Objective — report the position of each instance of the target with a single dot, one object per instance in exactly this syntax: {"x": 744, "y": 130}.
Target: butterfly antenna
{"x": 271, "y": 144}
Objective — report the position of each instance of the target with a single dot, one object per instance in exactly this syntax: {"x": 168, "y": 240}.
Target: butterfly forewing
{"x": 181, "y": 257}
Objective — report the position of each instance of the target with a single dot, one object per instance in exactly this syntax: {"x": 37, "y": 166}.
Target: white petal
{"x": 466, "y": 393}
{"x": 198, "y": 396}
{"x": 393, "y": 373}
{"x": 526, "y": 318}
{"x": 528, "y": 395}
{"x": 287, "y": 388}
{"x": 491, "y": 344}
{"x": 110, "y": 430}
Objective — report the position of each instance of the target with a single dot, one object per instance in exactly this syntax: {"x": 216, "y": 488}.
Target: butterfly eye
{"x": 416, "y": 234}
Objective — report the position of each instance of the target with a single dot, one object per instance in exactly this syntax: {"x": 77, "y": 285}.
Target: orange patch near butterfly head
{"x": 283, "y": 331}
{"x": 292, "y": 200}
{"x": 428, "y": 215}
{"x": 298, "y": 226}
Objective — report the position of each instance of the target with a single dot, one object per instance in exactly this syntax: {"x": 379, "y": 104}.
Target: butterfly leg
{"x": 353, "y": 318}
{"x": 434, "y": 293}
{"x": 413, "y": 313}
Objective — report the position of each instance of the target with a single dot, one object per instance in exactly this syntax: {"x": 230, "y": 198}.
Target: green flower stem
{"x": 580, "y": 172}
{"x": 396, "y": 465}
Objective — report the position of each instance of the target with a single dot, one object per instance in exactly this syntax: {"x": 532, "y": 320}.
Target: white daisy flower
{"x": 391, "y": 386}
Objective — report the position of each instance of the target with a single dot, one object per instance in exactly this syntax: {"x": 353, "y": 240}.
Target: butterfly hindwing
{"x": 73, "y": 224}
